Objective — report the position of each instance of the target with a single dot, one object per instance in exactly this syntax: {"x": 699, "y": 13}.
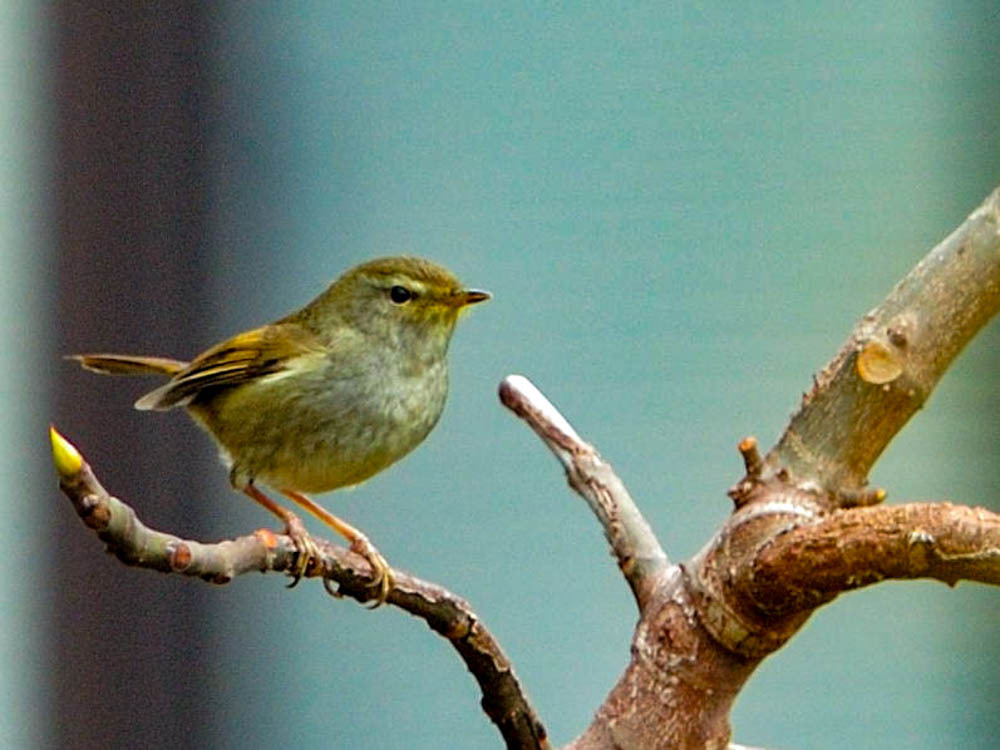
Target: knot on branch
{"x": 717, "y": 575}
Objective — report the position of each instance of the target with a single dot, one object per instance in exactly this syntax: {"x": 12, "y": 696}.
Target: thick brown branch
{"x": 809, "y": 565}
{"x": 786, "y": 550}
{"x": 634, "y": 544}
{"x": 134, "y": 543}
{"x": 892, "y": 360}
{"x": 680, "y": 685}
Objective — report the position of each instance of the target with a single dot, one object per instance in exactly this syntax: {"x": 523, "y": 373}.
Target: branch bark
{"x": 892, "y": 360}
{"x": 807, "y": 566}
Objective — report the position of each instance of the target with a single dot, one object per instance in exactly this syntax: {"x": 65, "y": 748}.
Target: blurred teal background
{"x": 681, "y": 212}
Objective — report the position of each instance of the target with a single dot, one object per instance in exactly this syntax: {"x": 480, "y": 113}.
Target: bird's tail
{"x": 127, "y": 364}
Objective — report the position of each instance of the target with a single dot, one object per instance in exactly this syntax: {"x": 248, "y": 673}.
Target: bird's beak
{"x": 468, "y": 297}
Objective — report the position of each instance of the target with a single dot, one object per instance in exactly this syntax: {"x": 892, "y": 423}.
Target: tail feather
{"x": 126, "y": 364}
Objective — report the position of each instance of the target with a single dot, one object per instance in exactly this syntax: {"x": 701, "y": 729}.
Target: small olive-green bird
{"x": 325, "y": 397}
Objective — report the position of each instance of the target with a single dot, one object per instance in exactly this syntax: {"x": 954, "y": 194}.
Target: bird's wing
{"x": 244, "y": 357}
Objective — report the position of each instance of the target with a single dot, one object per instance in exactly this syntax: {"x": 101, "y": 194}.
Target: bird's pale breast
{"x": 332, "y": 429}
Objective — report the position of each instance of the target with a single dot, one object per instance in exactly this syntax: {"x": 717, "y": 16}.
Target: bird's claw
{"x": 306, "y": 551}
{"x": 381, "y": 572}
{"x": 335, "y": 593}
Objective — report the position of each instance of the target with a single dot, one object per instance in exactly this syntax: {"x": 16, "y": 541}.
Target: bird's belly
{"x": 340, "y": 457}
{"x": 329, "y": 435}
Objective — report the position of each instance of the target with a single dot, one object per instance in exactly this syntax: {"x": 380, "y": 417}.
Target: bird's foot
{"x": 307, "y": 552}
{"x": 381, "y": 572}
{"x": 359, "y": 544}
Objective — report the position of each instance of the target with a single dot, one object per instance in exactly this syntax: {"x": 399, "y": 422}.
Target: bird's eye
{"x": 400, "y": 295}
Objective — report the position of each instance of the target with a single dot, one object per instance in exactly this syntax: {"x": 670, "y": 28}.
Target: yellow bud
{"x": 65, "y": 456}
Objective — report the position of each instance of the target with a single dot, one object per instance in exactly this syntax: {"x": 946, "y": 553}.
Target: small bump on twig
{"x": 739, "y": 493}
{"x": 751, "y": 456}
{"x": 860, "y": 497}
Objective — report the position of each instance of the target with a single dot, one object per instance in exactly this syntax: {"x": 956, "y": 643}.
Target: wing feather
{"x": 244, "y": 357}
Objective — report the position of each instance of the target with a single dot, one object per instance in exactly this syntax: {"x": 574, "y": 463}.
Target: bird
{"x": 323, "y": 398}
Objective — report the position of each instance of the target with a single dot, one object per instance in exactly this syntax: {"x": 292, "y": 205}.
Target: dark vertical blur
{"x": 130, "y": 215}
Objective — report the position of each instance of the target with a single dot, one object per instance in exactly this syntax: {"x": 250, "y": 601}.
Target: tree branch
{"x": 637, "y": 549}
{"x": 808, "y": 566}
{"x": 134, "y": 543}
{"x": 705, "y": 625}
{"x": 892, "y": 360}
{"x": 679, "y": 687}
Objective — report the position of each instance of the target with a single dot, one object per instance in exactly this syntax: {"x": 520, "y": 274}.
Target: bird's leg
{"x": 305, "y": 547}
{"x": 381, "y": 572}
